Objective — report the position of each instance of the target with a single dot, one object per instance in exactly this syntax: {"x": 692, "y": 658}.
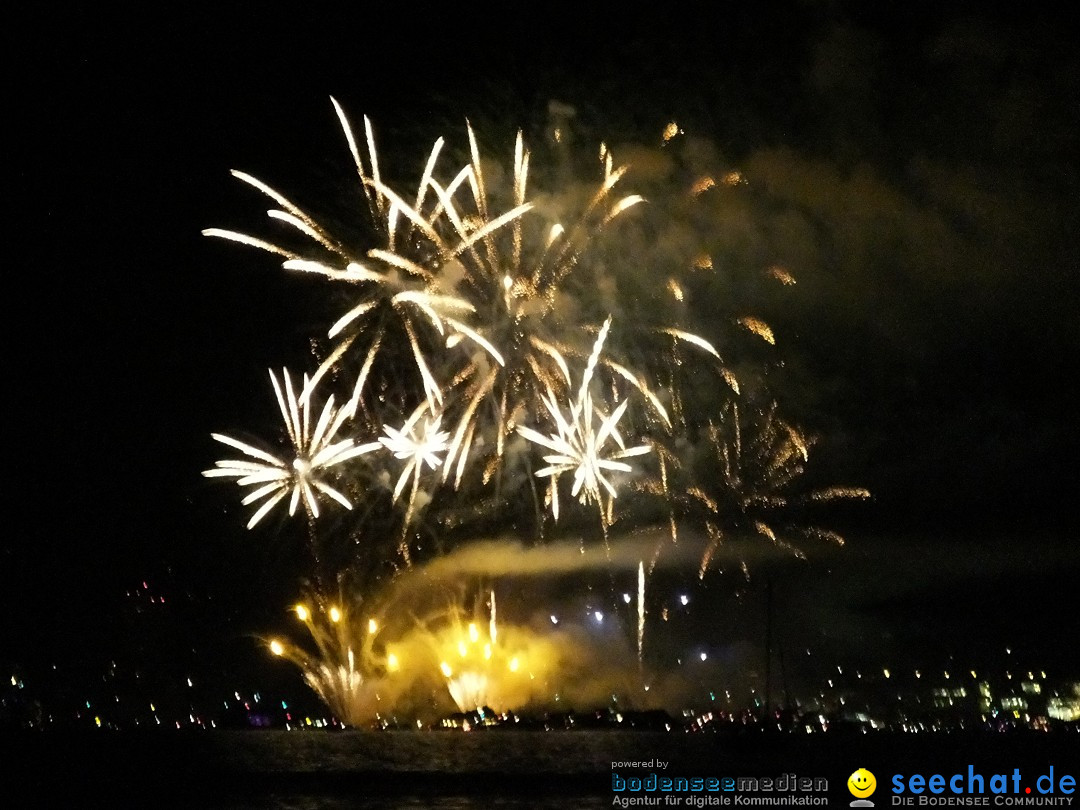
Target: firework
{"x": 493, "y": 298}
{"x": 473, "y": 663}
{"x": 361, "y": 661}
{"x": 347, "y": 667}
{"x": 747, "y": 484}
{"x": 483, "y": 666}
{"x": 315, "y": 450}
{"x": 451, "y": 268}
{"x": 579, "y": 445}
{"x": 419, "y": 442}
{"x": 391, "y": 283}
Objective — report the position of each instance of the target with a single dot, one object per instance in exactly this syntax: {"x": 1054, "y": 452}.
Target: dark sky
{"x": 918, "y": 169}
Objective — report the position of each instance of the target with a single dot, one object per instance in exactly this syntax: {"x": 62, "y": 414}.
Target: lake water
{"x": 459, "y": 771}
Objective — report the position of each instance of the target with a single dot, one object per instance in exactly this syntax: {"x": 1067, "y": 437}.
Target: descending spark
{"x": 759, "y": 328}
{"x": 676, "y": 290}
{"x": 832, "y": 493}
{"x": 693, "y": 339}
{"x": 641, "y": 613}
{"x": 315, "y": 449}
{"x": 782, "y": 275}
{"x": 758, "y": 462}
{"x": 701, "y": 185}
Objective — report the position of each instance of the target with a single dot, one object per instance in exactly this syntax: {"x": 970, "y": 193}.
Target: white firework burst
{"x": 452, "y": 267}
{"x": 418, "y": 442}
{"x": 402, "y": 276}
{"x": 315, "y": 449}
{"x": 587, "y": 442}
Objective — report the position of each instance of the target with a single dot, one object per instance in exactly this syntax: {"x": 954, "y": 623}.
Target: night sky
{"x": 917, "y": 170}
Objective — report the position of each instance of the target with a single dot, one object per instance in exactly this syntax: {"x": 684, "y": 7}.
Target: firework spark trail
{"x": 641, "y": 613}
{"x": 314, "y": 451}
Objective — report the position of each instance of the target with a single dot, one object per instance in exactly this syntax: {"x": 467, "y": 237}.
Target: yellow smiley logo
{"x": 861, "y": 783}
